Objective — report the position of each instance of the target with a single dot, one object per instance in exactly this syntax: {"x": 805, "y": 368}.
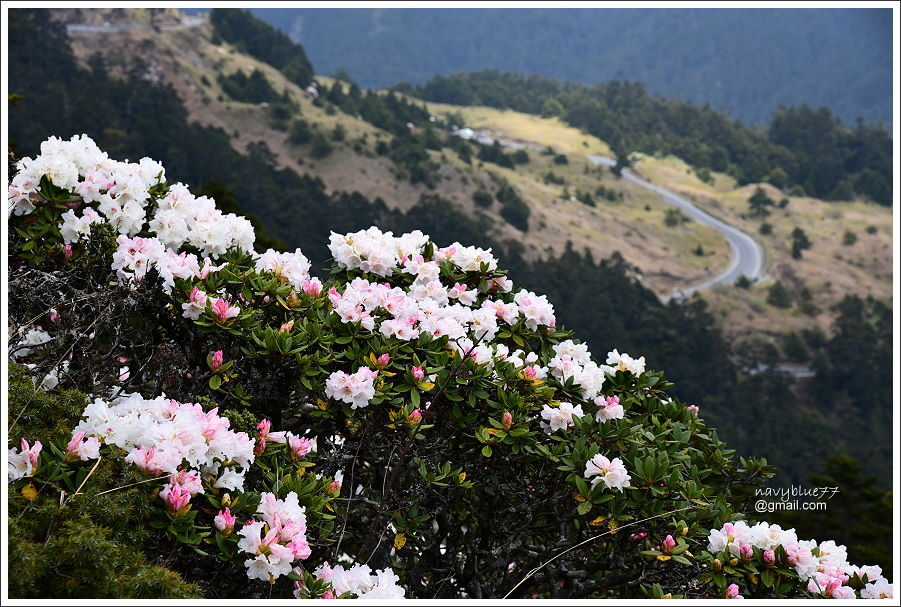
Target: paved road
{"x": 747, "y": 255}
{"x": 81, "y": 28}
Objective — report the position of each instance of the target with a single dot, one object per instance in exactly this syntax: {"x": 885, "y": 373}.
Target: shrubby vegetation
{"x": 458, "y": 415}
{"x": 599, "y": 297}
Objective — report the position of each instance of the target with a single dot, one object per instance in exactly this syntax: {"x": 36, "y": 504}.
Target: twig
{"x": 149, "y": 480}
{"x": 591, "y": 539}
{"x": 78, "y": 491}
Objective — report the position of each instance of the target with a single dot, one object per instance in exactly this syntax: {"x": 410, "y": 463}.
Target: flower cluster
{"x": 823, "y": 566}
{"x": 22, "y": 463}
{"x": 612, "y": 473}
{"x": 357, "y": 388}
{"x": 160, "y": 435}
{"x": 293, "y": 268}
{"x": 374, "y": 251}
{"x": 360, "y": 582}
{"x": 275, "y": 541}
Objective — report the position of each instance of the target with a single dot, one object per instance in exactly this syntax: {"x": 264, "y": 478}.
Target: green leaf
{"x": 584, "y": 507}
{"x": 486, "y": 451}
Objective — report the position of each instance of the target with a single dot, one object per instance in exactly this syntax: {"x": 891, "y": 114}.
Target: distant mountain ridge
{"x": 744, "y": 61}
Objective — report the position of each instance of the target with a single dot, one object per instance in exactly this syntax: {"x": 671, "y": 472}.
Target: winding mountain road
{"x": 747, "y": 254}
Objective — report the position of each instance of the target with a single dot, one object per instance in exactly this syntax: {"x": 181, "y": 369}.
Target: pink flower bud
{"x": 72, "y": 447}
{"x": 693, "y": 408}
{"x": 177, "y": 498}
{"x": 265, "y": 299}
{"x": 329, "y": 594}
{"x": 639, "y": 536}
{"x": 746, "y": 552}
{"x": 507, "y": 420}
{"x": 225, "y": 522}
{"x": 668, "y": 545}
{"x": 415, "y": 416}
{"x": 54, "y": 315}
{"x": 311, "y": 287}
{"x": 222, "y": 312}
{"x": 334, "y": 487}
{"x": 769, "y": 558}
{"x": 418, "y": 374}
{"x": 299, "y": 446}
{"x": 530, "y": 373}
{"x": 285, "y": 328}
{"x": 383, "y": 360}
{"x": 732, "y": 592}
{"x": 216, "y": 361}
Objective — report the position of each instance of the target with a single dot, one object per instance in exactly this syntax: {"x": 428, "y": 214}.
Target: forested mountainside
{"x": 746, "y": 62}
{"x": 846, "y": 408}
{"x": 810, "y": 150}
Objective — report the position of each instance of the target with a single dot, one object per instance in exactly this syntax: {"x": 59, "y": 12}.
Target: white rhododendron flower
{"x": 559, "y": 417}
{"x": 612, "y": 473}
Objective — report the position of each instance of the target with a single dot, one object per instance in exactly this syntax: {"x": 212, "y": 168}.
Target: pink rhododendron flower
{"x": 732, "y": 592}
{"x": 608, "y": 408}
{"x": 357, "y": 388}
{"x": 299, "y": 446}
{"x": 559, "y": 417}
{"x": 195, "y": 305}
{"x": 76, "y": 449}
{"x": 222, "y": 312}
{"x": 694, "y": 409}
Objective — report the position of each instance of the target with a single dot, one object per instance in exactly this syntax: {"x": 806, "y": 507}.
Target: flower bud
{"x": 733, "y": 561}
{"x": 226, "y": 500}
{"x": 717, "y": 565}
{"x": 285, "y": 328}
{"x": 746, "y": 552}
{"x": 216, "y": 361}
{"x": 292, "y": 300}
{"x": 732, "y": 592}
{"x": 769, "y": 558}
{"x": 225, "y": 522}
{"x": 417, "y": 373}
{"x": 506, "y": 420}
{"x": 415, "y": 417}
{"x": 334, "y": 487}
{"x": 668, "y": 545}
{"x": 383, "y": 360}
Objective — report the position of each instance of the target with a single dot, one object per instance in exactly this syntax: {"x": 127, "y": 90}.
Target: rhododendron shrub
{"x": 420, "y": 426}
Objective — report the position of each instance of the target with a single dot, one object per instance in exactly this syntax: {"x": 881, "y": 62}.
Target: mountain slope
{"x": 745, "y": 61}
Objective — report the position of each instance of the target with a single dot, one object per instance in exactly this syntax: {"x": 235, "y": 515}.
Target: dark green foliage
{"x": 743, "y": 282}
{"x": 320, "y": 147}
{"x": 794, "y": 348}
{"x": 699, "y": 251}
{"x": 783, "y": 203}
{"x": 264, "y": 42}
{"x": 766, "y": 228}
{"x": 300, "y": 132}
{"x": 872, "y": 229}
{"x": 610, "y": 194}
{"x": 338, "y": 133}
{"x": 494, "y": 153}
{"x": 704, "y": 175}
{"x": 513, "y": 208}
{"x": 561, "y": 159}
{"x": 410, "y": 154}
{"x": 673, "y": 218}
{"x": 759, "y": 202}
{"x": 854, "y": 374}
{"x": 249, "y": 89}
{"x": 849, "y": 238}
{"x": 800, "y": 242}
{"x": 520, "y": 157}
{"x": 482, "y": 198}
{"x": 778, "y": 296}
{"x": 91, "y": 547}
{"x": 550, "y": 177}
